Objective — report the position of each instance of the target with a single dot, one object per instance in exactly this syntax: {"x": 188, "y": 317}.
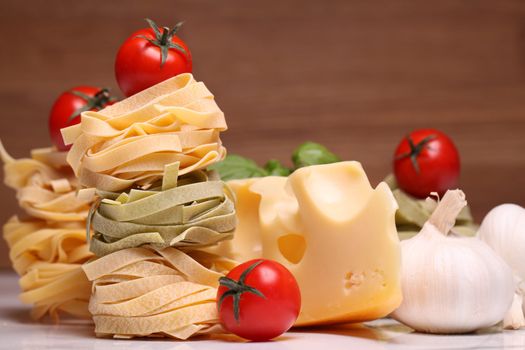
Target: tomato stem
{"x": 165, "y": 36}
{"x": 237, "y": 288}
{"x": 97, "y": 102}
{"x": 415, "y": 150}
{"x": 163, "y": 39}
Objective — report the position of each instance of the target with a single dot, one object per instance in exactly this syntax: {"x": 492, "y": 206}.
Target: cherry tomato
{"x": 258, "y": 300}
{"x": 426, "y": 161}
{"x": 67, "y": 109}
{"x": 149, "y": 56}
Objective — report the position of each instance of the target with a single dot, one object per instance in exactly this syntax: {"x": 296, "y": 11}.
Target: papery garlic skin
{"x": 452, "y": 284}
{"x": 503, "y": 229}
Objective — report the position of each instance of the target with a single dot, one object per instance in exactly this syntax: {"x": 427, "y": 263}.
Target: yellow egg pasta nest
{"x": 45, "y": 185}
{"x": 130, "y": 142}
{"x": 48, "y": 257}
{"x": 146, "y": 292}
{"x": 48, "y": 249}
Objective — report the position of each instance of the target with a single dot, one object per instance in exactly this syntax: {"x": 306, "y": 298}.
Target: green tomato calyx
{"x": 237, "y": 288}
{"x": 163, "y": 39}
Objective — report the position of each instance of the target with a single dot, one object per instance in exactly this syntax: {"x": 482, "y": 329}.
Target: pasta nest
{"x": 48, "y": 249}
{"x": 148, "y": 292}
{"x": 188, "y": 212}
{"x": 129, "y": 143}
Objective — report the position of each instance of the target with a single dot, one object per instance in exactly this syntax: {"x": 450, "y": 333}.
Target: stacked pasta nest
{"x": 145, "y": 161}
{"x": 48, "y": 247}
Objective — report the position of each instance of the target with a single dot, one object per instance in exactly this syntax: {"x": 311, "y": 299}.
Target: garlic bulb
{"x": 503, "y": 229}
{"x": 451, "y": 283}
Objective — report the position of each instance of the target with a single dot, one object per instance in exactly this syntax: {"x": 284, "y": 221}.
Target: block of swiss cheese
{"x": 332, "y": 230}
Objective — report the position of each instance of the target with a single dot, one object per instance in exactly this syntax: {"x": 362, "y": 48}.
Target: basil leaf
{"x": 311, "y": 153}
{"x": 275, "y": 168}
{"x": 237, "y": 167}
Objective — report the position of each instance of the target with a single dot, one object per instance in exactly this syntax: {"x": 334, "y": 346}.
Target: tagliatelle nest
{"x": 130, "y": 142}
{"x": 191, "y": 211}
{"x": 47, "y": 250}
{"x": 48, "y": 257}
{"x": 45, "y": 185}
{"x": 144, "y": 292}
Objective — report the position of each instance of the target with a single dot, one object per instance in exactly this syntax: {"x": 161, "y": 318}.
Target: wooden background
{"x": 353, "y": 75}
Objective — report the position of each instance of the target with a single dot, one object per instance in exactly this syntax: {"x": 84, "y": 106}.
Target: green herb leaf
{"x": 275, "y": 168}
{"x": 237, "y": 167}
{"x": 311, "y": 153}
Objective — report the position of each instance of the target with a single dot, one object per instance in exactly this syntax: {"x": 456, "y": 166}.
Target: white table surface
{"x": 18, "y": 331}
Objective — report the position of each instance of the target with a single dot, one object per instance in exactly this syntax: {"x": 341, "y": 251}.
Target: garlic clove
{"x": 514, "y": 318}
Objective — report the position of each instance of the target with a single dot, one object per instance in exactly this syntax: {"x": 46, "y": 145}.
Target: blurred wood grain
{"x": 353, "y": 75}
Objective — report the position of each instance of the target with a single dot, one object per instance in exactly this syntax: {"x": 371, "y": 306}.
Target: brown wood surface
{"x": 353, "y": 75}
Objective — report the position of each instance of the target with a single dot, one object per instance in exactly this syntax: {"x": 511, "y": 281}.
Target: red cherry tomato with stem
{"x": 426, "y": 161}
{"x": 70, "y": 104}
{"x": 258, "y": 300}
{"x": 150, "y": 56}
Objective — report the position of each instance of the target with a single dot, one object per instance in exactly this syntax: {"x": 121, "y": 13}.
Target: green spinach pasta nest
{"x": 191, "y": 211}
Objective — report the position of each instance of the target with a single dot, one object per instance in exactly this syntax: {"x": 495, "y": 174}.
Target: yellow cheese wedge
{"x": 332, "y": 230}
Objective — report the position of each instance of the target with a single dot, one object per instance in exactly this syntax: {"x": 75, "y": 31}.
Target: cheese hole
{"x": 353, "y": 279}
{"x": 292, "y": 247}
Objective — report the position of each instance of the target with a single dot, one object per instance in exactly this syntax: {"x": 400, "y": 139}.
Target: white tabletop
{"x": 18, "y": 331}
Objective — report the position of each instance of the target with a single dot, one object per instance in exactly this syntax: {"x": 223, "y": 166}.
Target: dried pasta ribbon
{"x": 48, "y": 257}
{"x": 189, "y": 211}
{"x": 45, "y": 185}
{"x": 48, "y": 250}
{"x": 129, "y": 143}
{"x": 143, "y": 292}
